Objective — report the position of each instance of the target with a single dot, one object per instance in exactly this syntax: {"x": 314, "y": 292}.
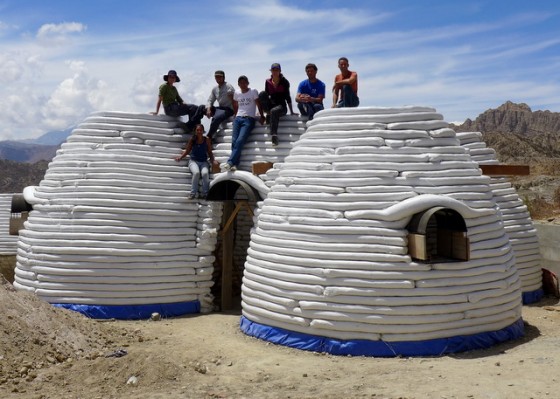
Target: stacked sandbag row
{"x": 329, "y": 269}
{"x": 7, "y": 242}
{"x": 112, "y": 233}
{"x": 258, "y": 147}
{"x": 516, "y": 218}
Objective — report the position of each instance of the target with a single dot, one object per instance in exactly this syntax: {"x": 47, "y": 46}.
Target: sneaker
{"x": 192, "y": 195}
{"x": 225, "y": 167}
{"x": 274, "y": 140}
{"x": 233, "y": 168}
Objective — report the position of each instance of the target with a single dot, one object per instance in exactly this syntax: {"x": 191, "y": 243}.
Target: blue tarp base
{"x": 133, "y": 312}
{"x": 432, "y": 347}
{"x": 532, "y": 296}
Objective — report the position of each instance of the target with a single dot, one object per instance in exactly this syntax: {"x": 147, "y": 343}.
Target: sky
{"x": 62, "y": 60}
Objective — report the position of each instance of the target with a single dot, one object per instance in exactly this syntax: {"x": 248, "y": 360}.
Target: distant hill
{"x": 519, "y": 135}
{"x": 52, "y": 138}
{"x": 16, "y": 176}
{"x": 26, "y": 152}
{"x": 34, "y": 150}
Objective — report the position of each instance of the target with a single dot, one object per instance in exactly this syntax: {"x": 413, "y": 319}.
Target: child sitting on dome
{"x": 200, "y": 149}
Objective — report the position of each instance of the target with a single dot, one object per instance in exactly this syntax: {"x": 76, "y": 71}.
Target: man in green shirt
{"x": 173, "y": 104}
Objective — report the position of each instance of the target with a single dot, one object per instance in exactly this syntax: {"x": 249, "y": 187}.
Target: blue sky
{"x": 62, "y": 60}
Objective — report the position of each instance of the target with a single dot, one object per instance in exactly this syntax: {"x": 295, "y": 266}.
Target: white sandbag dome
{"x": 516, "y": 218}
{"x": 381, "y": 237}
{"x": 112, "y": 233}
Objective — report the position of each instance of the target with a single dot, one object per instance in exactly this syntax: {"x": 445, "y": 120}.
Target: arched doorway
{"x": 239, "y": 194}
{"x": 438, "y": 234}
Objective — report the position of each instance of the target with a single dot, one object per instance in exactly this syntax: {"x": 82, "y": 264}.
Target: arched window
{"x": 438, "y": 235}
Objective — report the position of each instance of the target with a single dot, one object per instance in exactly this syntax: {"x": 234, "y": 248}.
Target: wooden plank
{"x": 260, "y": 168}
{"x": 227, "y": 255}
{"x": 417, "y": 246}
{"x": 461, "y": 246}
{"x": 505, "y": 170}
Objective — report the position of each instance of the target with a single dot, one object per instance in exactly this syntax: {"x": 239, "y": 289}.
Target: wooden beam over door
{"x": 228, "y": 216}
{"x": 505, "y": 170}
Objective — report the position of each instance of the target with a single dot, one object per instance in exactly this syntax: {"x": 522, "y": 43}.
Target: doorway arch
{"x": 239, "y": 192}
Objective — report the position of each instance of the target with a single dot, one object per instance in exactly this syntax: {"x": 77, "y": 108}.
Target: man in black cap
{"x": 223, "y": 94}
{"x": 173, "y": 104}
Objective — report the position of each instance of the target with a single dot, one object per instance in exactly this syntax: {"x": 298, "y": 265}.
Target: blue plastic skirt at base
{"x": 532, "y": 296}
{"x": 133, "y": 312}
{"x": 432, "y": 347}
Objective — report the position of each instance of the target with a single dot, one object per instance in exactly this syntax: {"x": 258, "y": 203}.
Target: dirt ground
{"x": 46, "y": 352}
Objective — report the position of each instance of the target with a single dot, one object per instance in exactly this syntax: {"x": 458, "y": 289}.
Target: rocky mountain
{"x": 521, "y": 136}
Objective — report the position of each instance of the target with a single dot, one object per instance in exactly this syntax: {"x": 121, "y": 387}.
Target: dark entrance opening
{"x": 239, "y": 199}
{"x": 438, "y": 235}
{"x": 19, "y": 212}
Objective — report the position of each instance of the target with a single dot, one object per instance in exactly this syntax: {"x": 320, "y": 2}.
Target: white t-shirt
{"x": 246, "y": 102}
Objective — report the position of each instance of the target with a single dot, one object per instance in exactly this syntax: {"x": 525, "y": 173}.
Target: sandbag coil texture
{"x": 328, "y": 254}
{"x": 515, "y": 215}
{"x": 112, "y": 224}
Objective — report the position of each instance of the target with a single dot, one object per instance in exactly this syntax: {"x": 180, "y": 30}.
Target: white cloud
{"x": 460, "y": 65}
{"x": 59, "y": 33}
{"x": 273, "y": 12}
{"x": 74, "y": 98}
{"x": 10, "y": 68}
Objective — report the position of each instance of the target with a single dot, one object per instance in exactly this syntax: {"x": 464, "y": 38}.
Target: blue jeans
{"x": 309, "y": 109}
{"x": 242, "y": 127}
{"x": 349, "y": 98}
{"x": 219, "y": 114}
{"x": 198, "y": 168}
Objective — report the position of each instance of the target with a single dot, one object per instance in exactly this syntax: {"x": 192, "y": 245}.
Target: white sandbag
{"x": 251, "y": 293}
{"x": 417, "y": 204}
{"x": 325, "y": 236}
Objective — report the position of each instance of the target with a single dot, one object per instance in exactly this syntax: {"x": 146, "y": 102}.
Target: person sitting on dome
{"x": 223, "y": 94}
{"x": 345, "y": 89}
{"x": 245, "y": 103}
{"x": 311, "y": 93}
{"x": 274, "y": 98}
{"x": 200, "y": 150}
{"x": 173, "y": 104}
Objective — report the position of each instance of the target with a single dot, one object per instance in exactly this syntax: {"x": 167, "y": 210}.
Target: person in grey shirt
{"x": 223, "y": 94}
